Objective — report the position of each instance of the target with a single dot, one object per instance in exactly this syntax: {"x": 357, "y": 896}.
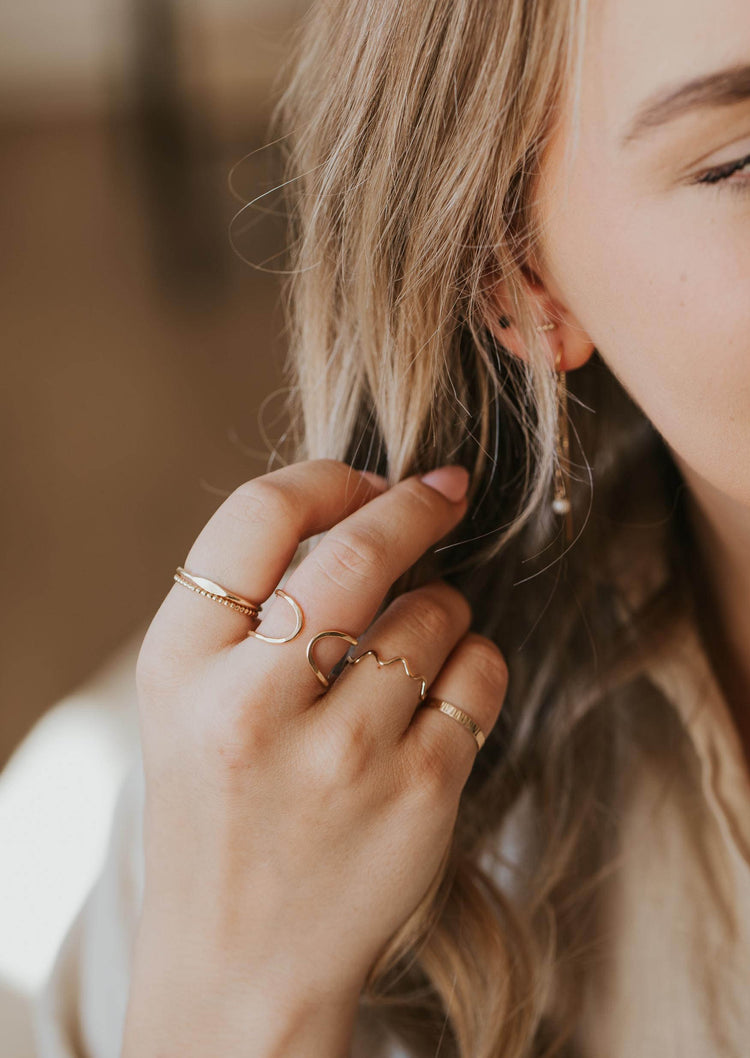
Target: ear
{"x": 568, "y": 339}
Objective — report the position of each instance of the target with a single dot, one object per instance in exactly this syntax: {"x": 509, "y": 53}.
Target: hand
{"x": 290, "y": 829}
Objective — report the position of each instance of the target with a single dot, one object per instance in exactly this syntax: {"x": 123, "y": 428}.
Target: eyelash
{"x": 717, "y": 177}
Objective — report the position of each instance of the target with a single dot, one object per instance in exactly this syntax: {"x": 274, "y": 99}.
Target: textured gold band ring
{"x": 458, "y": 714}
{"x": 212, "y": 590}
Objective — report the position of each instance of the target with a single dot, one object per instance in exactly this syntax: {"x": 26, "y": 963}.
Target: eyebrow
{"x": 721, "y": 88}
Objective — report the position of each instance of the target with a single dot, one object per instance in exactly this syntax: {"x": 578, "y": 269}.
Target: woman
{"x": 490, "y": 199}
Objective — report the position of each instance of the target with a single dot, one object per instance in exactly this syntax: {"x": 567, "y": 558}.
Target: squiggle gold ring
{"x": 353, "y": 661}
{"x": 382, "y": 664}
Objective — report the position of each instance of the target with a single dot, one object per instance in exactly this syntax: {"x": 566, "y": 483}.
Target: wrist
{"x": 191, "y": 1008}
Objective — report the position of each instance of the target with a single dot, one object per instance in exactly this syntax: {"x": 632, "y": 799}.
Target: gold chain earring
{"x": 561, "y": 502}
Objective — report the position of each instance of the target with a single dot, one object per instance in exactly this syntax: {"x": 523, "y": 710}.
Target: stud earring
{"x": 505, "y": 321}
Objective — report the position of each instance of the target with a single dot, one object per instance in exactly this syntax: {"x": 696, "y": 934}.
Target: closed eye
{"x": 723, "y": 172}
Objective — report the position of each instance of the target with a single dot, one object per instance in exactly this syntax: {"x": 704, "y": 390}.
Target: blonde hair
{"x": 413, "y": 132}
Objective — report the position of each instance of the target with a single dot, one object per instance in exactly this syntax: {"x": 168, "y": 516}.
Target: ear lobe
{"x": 567, "y": 340}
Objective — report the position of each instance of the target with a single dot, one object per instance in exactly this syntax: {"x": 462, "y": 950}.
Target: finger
{"x": 378, "y": 700}
{"x": 436, "y": 752}
{"x": 341, "y": 583}
{"x": 250, "y": 541}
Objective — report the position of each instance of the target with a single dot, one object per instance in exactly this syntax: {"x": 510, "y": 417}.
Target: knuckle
{"x": 460, "y": 601}
{"x": 454, "y": 600}
{"x": 429, "y": 617}
{"x": 488, "y": 661}
{"x": 336, "y": 466}
{"x": 351, "y": 559}
{"x": 259, "y": 501}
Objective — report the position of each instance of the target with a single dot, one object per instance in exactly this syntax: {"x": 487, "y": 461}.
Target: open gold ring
{"x": 322, "y": 635}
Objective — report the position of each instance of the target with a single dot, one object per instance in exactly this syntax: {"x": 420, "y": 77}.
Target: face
{"x": 650, "y": 263}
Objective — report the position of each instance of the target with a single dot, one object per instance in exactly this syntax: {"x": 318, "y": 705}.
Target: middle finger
{"x": 341, "y": 583}
{"x": 380, "y": 692}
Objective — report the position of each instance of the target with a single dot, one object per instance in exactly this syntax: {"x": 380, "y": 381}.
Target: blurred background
{"x": 142, "y": 343}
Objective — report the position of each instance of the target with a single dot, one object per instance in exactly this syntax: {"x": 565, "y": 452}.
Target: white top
{"x": 674, "y": 979}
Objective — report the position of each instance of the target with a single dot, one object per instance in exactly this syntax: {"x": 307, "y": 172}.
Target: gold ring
{"x": 299, "y": 621}
{"x": 212, "y": 590}
{"x": 322, "y": 635}
{"x": 404, "y": 662}
{"x": 458, "y": 714}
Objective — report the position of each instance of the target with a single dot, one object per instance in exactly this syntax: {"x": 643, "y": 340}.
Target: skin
{"x": 654, "y": 272}
{"x": 289, "y": 829}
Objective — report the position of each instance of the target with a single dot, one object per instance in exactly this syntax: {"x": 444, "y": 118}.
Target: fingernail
{"x": 452, "y": 481}
{"x": 377, "y": 479}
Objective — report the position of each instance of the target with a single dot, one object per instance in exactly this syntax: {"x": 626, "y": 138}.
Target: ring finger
{"x": 434, "y": 751}
{"x": 396, "y": 660}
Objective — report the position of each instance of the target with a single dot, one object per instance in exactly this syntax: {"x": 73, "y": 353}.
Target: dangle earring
{"x": 561, "y": 502}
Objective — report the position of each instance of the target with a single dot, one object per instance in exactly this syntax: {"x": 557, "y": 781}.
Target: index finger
{"x": 249, "y": 542}
{"x": 342, "y": 582}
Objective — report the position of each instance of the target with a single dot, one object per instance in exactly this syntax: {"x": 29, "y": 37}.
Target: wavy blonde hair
{"x": 412, "y": 132}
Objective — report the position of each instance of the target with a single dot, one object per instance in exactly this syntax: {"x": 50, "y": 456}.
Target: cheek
{"x": 662, "y": 286}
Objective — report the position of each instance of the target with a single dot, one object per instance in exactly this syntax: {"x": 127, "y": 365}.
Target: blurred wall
{"x": 138, "y": 348}
{"x": 56, "y": 57}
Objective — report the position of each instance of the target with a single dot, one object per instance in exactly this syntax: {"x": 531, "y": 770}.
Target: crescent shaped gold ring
{"x": 211, "y": 590}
